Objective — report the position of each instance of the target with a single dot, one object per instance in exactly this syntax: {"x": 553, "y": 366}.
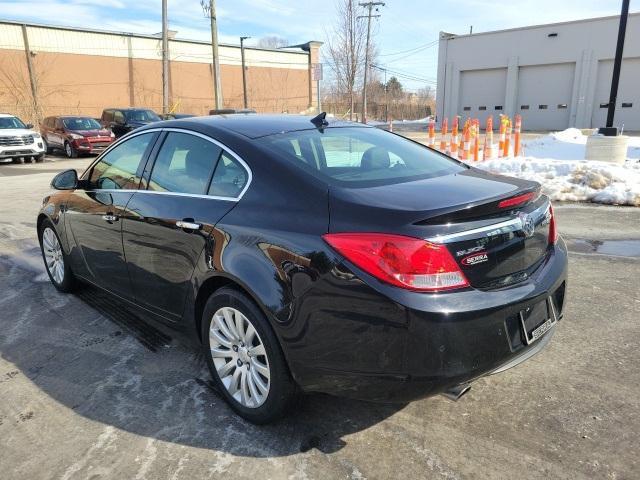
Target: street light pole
{"x": 210, "y": 11}
{"x": 244, "y": 71}
{"x": 617, "y": 64}
{"x": 165, "y": 58}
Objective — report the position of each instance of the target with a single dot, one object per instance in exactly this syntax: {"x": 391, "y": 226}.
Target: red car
{"x": 75, "y": 135}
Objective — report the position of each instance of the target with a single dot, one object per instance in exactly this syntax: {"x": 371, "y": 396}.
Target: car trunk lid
{"x": 494, "y": 241}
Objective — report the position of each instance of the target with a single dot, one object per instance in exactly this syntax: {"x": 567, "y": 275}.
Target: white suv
{"x": 19, "y": 142}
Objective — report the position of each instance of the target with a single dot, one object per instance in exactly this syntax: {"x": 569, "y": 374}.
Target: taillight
{"x": 517, "y": 200}
{"x": 405, "y": 262}
{"x": 553, "y": 230}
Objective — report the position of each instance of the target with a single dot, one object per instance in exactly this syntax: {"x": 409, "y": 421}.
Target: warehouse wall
{"x": 82, "y": 72}
{"x": 557, "y": 72}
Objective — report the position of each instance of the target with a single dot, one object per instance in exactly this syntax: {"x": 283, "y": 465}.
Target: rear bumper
{"x": 401, "y": 346}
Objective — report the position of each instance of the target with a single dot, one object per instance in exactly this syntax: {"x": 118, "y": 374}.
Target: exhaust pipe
{"x": 454, "y": 393}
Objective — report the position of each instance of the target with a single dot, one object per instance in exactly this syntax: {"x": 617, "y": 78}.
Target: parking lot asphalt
{"x": 88, "y": 391}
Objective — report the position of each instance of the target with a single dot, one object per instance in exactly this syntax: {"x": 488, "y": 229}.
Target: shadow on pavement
{"x": 90, "y": 353}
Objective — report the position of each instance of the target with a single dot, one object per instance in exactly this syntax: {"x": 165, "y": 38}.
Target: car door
{"x": 168, "y": 224}
{"x": 93, "y": 215}
{"x": 57, "y": 133}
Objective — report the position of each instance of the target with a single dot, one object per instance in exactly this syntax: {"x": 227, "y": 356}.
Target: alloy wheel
{"x": 53, "y": 255}
{"x": 239, "y": 357}
{"x": 68, "y": 150}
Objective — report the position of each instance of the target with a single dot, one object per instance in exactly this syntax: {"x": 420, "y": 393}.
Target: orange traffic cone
{"x": 443, "y": 136}
{"x": 503, "y": 129}
{"x": 516, "y": 141}
{"x": 431, "y": 141}
{"x": 507, "y": 138}
{"x": 467, "y": 142}
{"x": 454, "y": 138}
{"x": 476, "y": 140}
{"x": 488, "y": 139}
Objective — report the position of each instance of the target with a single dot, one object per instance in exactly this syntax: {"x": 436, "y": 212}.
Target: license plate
{"x": 538, "y": 320}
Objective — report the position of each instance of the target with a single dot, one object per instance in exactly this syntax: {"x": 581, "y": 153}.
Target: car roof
{"x": 7, "y": 115}
{"x": 259, "y": 125}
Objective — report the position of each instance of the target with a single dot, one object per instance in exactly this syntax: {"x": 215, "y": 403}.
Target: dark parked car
{"x": 123, "y": 120}
{"x": 75, "y": 135}
{"x": 313, "y": 256}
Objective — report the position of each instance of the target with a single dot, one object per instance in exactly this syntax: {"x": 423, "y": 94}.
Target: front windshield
{"x": 81, "y": 123}
{"x": 141, "y": 116}
{"x": 357, "y": 156}
{"x": 11, "y": 122}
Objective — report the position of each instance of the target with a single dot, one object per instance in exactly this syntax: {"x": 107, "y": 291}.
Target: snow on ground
{"x": 557, "y": 162}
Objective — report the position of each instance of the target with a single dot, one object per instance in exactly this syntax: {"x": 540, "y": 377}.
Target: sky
{"x": 406, "y": 31}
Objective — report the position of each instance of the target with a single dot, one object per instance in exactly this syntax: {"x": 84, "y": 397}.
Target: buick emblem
{"x": 527, "y": 224}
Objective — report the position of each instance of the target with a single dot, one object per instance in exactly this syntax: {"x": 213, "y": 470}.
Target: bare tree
{"x": 346, "y": 49}
{"x": 272, "y": 41}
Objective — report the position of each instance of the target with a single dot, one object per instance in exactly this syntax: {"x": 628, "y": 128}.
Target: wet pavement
{"x": 88, "y": 390}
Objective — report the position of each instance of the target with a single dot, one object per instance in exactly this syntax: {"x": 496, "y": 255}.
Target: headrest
{"x": 375, "y": 158}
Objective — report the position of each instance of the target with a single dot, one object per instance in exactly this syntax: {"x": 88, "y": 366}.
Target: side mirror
{"x": 67, "y": 180}
{"x": 29, "y": 125}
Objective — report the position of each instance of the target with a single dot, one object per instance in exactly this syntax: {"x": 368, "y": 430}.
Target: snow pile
{"x": 556, "y": 161}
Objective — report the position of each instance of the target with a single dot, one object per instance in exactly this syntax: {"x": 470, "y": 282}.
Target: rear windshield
{"x": 356, "y": 156}
{"x": 81, "y": 123}
{"x": 141, "y": 116}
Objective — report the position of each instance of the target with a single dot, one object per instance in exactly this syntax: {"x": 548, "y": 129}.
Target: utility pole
{"x": 370, "y": 6}
{"x": 244, "y": 71}
{"x": 32, "y": 75}
{"x": 209, "y": 9}
{"x": 617, "y": 63}
{"x": 165, "y": 58}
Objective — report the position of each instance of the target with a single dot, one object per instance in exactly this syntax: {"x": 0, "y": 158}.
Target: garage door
{"x": 482, "y": 93}
{"x": 628, "y": 104}
{"x": 544, "y": 96}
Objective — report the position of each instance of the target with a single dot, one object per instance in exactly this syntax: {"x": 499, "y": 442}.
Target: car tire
{"x": 243, "y": 388}
{"x": 18, "y": 160}
{"x": 70, "y": 151}
{"x": 39, "y": 158}
{"x": 55, "y": 260}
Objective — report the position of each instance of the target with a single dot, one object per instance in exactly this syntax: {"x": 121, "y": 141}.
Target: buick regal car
{"x": 303, "y": 255}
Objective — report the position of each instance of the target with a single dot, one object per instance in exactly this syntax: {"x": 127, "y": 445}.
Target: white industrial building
{"x": 555, "y": 76}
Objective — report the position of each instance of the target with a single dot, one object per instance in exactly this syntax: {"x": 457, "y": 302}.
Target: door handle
{"x": 188, "y": 225}
{"x": 110, "y": 217}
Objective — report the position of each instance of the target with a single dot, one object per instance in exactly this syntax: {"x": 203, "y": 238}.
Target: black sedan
{"x": 305, "y": 255}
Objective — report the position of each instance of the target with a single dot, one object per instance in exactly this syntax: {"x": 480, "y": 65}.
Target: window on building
{"x": 524, "y": 107}
{"x": 604, "y": 105}
{"x": 627, "y": 105}
{"x": 466, "y": 109}
{"x": 562, "y": 105}
{"x": 542, "y": 107}
{"x": 483, "y": 107}
{"x": 498, "y": 107}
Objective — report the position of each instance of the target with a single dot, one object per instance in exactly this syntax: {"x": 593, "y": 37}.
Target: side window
{"x": 58, "y": 123}
{"x": 118, "y": 117}
{"x": 117, "y": 169}
{"x": 229, "y": 178}
{"x": 107, "y": 116}
{"x": 184, "y": 164}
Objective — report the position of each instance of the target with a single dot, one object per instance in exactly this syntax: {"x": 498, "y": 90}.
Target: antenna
{"x": 320, "y": 120}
